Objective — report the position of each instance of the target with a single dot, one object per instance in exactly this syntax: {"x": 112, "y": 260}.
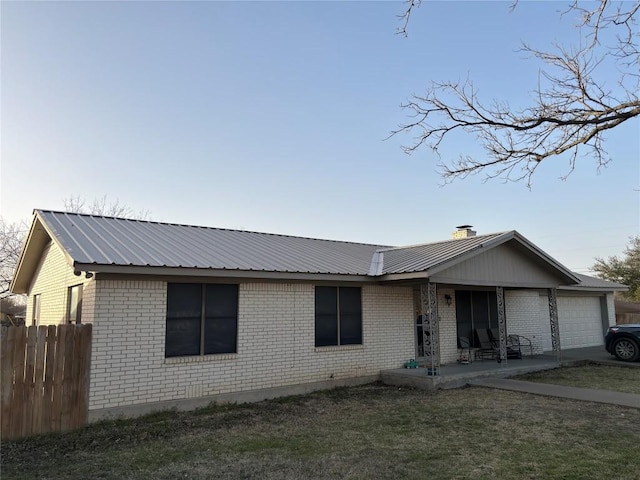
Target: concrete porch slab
{"x": 457, "y": 375}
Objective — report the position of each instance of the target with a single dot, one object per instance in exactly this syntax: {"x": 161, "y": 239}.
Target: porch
{"x": 456, "y": 375}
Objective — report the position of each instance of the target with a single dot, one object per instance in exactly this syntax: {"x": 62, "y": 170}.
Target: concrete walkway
{"x": 570, "y": 357}
{"x": 574, "y": 393}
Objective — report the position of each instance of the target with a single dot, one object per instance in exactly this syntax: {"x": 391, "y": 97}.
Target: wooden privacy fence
{"x": 626, "y": 318}
{"x": 45, "y": 378}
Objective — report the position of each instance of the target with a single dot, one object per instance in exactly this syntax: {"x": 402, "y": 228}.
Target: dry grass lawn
{"x": 372, "y": 431}
{"x": 601, "y": 377}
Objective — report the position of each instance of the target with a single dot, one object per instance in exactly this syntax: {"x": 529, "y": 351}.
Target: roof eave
{"x": 34, "y": 245}
{"x": 603, "y": 289}
{"x": 21, "y": 277}
{"x": 161, "y": 271}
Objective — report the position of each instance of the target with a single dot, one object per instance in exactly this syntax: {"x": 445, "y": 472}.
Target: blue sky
{"x": 271, "y": 116}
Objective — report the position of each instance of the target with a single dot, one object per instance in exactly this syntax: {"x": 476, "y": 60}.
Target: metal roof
{"x": 418, "y": 258}
{"x": 593, "y": 283}
{"x": 98, "y": 240}
{"x": 107, "y": 244}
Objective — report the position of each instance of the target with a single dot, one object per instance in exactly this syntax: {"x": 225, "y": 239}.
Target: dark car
{"x": 623, "y": 341}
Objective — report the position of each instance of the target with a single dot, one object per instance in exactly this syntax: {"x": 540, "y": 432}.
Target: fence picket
{"x": 20, "y": 340}
{"x": 83, "y": 402}
{"x": 29, "y": 385}
{"x": 44, "y": 378}
{"x": 38, "y": 400}
{"x": 6, "y": 379}
{"x": 49, "y": 369}
{"x": 65, "y": 417}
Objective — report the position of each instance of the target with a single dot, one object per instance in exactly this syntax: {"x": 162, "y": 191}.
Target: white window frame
{"x": 74, "y": 304}
{"x": 35, "y": 313}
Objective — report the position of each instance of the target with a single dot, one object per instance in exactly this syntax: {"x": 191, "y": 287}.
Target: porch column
{"x": 502, "y": 325}
{"x": 430, "y": 330}
{"x": 555, "y": 325}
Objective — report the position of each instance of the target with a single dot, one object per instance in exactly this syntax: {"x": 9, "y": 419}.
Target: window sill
{"x": 339, "y": 348}
{"x": 201, "y": 358}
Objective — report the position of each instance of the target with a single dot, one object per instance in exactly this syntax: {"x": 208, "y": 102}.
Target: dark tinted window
{"x": 326, "y": 316}
{"x": 475, "y": 310}
{"x": 338, "y": 316}
{"x": 463, "y": 315}
{"x": 194, "y": 310}
{"x": 221, "y": 318}
{"x": 480, "y": 310}
{"x": 184, "y": 312}
{"x": 350, "y": 316}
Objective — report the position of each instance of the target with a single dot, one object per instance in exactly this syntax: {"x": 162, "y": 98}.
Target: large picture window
{"x": 338, "y": 316}
{"x": 475, "y": 310}
{"x": 202, "y": 319}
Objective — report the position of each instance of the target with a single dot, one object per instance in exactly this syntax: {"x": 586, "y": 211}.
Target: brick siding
{"x": 52, "y": 279}
{"x": 275, "y": 343}
{"x": 523, "y": 311}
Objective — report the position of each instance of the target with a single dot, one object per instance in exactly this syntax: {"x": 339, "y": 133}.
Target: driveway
{"x": 595, "y": 354}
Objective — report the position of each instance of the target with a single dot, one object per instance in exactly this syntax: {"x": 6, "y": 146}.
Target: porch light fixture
{"x": 448, "y": 299}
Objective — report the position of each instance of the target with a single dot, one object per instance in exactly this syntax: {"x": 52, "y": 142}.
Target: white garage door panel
{"x": 580, "y": 320}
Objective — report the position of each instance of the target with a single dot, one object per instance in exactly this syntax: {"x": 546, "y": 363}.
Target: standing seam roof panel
{"x": 133, "y": 230}
{"x": 423, "y": 257}
{"x": 113, "y": 241}
{"x": 70, "y": 242}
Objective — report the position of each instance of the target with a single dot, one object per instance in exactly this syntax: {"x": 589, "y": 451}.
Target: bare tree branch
{"x": 406, "y": 16}
{"x": 103, "y": 207}
{"x": 11, "y": 238}
{"x": 570, "y": 113}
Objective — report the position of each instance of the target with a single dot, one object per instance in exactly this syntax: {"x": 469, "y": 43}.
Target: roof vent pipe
{"x": 464, "y": 231}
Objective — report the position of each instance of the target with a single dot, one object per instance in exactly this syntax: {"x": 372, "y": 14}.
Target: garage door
{"x": 580, "y": 320}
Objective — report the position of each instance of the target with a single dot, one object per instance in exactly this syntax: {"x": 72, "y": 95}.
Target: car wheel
{"x": 626, "y": 349}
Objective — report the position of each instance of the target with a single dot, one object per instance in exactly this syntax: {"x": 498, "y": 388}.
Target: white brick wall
{"x": 524, "y": 316}
{"x": 275, "y": 343}
{"x": 53, "y": 277}
{"x": 448, "y": 327}
{"x": 275, "y": 335}
{"x": 611, "y": 309}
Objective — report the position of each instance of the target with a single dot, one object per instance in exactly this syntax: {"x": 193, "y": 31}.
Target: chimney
{"x": 464, "y": 231}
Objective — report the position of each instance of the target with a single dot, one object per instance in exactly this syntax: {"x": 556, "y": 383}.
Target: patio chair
{"x": 515, "y": 342}
{"x": 488, "y": 347}
{"x": 520, "y": 341}
{"x": 464, "y": 345}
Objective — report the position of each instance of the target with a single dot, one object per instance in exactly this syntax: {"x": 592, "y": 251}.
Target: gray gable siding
{"x": 506, "y": 265}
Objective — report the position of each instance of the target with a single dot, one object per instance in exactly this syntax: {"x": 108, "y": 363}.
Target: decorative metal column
{"x": 555, "y": 326}
{"x": 430, "y": 330}
{"x": 502, "y": 326}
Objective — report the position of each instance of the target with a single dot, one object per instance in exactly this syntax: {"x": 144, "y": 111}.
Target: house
{"x": 184, "y": 315}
